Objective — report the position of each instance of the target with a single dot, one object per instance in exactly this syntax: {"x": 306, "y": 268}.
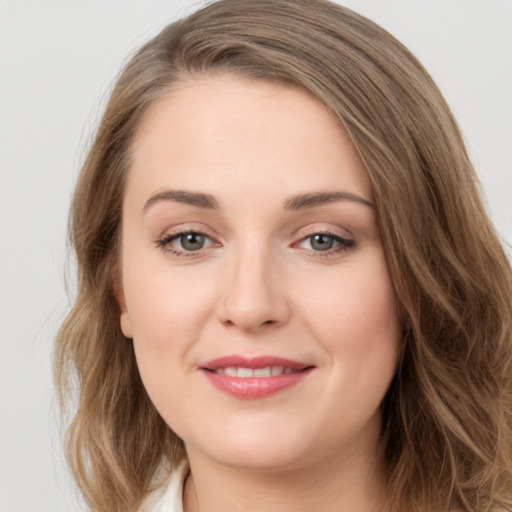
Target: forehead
{"x": 225, "y": 132}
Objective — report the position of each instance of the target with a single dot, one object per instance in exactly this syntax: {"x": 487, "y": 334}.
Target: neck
{"x": 355, "y": 483}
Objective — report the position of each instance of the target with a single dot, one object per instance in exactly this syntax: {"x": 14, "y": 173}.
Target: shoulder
{"x": 169, "y": 496}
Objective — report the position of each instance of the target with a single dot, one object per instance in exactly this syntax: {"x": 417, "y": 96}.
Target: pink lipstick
{"x": 254, "y": 377}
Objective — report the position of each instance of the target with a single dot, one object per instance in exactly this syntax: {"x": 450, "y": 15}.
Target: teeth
{"x": 277, "y": 370}
{"x": 263, "y": 372}
{"x": 245, "y": 372}
{"x": 268, "y": 371}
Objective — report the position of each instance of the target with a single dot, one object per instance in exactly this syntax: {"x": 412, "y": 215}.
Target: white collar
{"x": 169, "y": 498}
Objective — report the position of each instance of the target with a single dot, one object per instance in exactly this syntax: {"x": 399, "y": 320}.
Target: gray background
{"x": 57, "y": 62}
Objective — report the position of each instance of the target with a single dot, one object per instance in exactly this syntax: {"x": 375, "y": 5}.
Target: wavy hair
{"x": 446, "y": 419}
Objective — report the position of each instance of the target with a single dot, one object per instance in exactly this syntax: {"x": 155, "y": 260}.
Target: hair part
{"x": 446, "y": 417}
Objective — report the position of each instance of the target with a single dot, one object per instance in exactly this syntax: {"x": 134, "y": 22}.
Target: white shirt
{"x": 169, "y": 498}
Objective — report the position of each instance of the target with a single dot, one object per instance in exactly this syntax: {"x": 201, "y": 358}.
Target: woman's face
{"x": 254, "y": 281}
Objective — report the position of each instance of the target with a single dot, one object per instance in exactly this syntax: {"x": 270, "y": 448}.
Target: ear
{"x": 117, "y": 289}
{"x": 126, "y": 325}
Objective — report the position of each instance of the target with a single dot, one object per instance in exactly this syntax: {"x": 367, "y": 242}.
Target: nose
{"x": 254, "y": 296}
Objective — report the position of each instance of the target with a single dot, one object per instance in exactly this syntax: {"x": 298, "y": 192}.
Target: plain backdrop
{"x": 57, "y": 62}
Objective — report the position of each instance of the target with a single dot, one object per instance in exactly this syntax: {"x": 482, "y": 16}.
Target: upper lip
{"x": 253, "y": 362}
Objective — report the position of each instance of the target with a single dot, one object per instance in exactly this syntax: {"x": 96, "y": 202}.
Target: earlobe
{"x": 117, "y": 289}
{"x": 126, "y": 324}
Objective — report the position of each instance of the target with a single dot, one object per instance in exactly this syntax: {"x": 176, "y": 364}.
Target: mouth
{"x": 254, "y": 377}
{"x": 247, "y": 373}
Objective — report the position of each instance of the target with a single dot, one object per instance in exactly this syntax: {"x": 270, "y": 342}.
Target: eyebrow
{"x": 198, "y": 199}
{"x": 313, "y": 199}
{"x": 294, "y": 203}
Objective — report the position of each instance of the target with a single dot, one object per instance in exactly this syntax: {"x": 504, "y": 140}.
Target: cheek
{"x": 167, "y": 312}
{"x": 354, "y": 316}
{"x": 166, "y": 307}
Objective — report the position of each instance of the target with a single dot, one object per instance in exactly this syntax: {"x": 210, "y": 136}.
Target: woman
{"x": 290, "y": 294}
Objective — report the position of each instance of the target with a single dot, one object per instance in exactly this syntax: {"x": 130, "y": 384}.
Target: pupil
{"x": 322, "y": 242}
{"x": 192, "y": 241}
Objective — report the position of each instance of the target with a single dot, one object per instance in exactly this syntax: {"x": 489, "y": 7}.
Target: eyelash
{"x": 164, "y": 243}
{"x": 344, "y": 244}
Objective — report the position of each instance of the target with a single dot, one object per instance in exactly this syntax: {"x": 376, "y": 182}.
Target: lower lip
{"x": 251, "y": 388}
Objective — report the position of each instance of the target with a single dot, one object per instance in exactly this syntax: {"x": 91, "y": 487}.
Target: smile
{"x": 244, "y": 373}
{"x": 256, "y": 377}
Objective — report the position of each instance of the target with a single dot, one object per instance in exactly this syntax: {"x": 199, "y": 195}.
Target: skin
{"x": 259, "y": 286}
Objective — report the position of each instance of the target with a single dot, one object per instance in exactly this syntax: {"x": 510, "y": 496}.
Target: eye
{"x": 191, "y": 241}
{"x": 185, "y": 243}
{"x": 321, "y": 242}
{"x": 325, "y": 242}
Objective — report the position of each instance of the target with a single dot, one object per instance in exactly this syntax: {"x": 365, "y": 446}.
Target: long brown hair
{"x": 447, "y": 415}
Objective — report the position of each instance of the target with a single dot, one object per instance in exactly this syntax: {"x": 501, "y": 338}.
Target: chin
{"x": 259, "y": 445}
{"x": 258, "y": 458}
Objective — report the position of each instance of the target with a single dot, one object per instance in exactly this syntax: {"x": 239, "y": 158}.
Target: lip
{"x": 250, "y": 388}
{"x": 253, "y": 362}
